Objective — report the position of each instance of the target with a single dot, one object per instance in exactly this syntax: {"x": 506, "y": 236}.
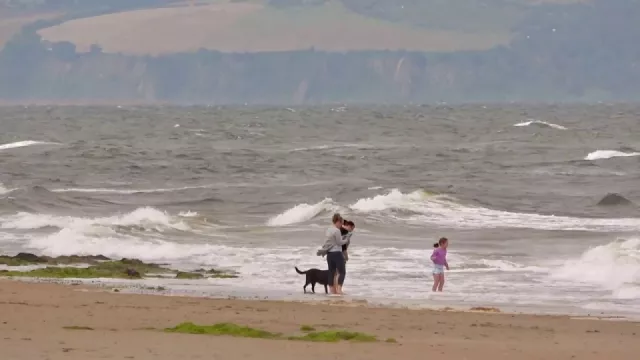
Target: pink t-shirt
{"x": 439, "y": 256}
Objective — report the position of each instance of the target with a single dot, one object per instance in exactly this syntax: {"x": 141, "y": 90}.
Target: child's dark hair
{"x": 440, "y": 242}
{"x": 349, "y": 223}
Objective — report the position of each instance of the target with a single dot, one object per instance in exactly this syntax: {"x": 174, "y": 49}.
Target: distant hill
{"x": 255, "y": 27}
{"x": 170, "y": 26}
{"x": 555, "y": 52}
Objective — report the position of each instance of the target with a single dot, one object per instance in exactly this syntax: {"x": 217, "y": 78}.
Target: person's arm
{"x": 328, "y": 244}
{"x": 446, "y": 264}
{"x": 433, "y": 256}
{"x": 338, "y": 238}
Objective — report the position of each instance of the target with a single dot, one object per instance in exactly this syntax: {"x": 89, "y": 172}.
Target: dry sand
{"x": 33, "y": 317}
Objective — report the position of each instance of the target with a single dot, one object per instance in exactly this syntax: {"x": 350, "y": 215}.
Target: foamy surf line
{"x": 608, "y": 154}
{"x": 231, "y": 289}
{"x": 25, "y": 143}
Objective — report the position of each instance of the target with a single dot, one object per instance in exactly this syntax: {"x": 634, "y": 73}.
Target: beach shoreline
{"x": 55, "y": 321}
{"x": 224, "y": 290}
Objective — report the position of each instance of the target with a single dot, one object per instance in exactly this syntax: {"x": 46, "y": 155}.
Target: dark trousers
{"x": 335, "y": 260}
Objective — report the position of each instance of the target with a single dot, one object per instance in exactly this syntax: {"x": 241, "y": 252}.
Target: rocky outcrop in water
{"x": 613, "y": 199}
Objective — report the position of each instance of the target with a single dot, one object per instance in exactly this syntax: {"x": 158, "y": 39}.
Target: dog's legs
{"x": 304, "y": 288}
{"x": 325, "y": 289}
{"x": 313, "y": 287}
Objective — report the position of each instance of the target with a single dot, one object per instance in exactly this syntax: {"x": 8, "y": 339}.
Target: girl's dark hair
{"x": 440, "y": 242}
{"x": 349, "y": 223}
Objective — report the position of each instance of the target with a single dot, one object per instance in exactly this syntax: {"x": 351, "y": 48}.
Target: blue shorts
{"x": 438, "y": 269}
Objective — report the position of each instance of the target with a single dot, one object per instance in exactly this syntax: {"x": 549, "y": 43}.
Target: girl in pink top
{"x": 439, "y": 258}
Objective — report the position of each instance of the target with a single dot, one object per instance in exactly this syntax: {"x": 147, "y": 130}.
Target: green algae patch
{"x": 230, "y": 329}
{"x": 307, "y": 328}
{"x": 227, "y": 329}
{"x": 121, "y": 269}
{"x": 77, "y": 328}
{"x": 100, "y": 266}
{"x": 335, "y": 336}
{"x": 22, "y": 259}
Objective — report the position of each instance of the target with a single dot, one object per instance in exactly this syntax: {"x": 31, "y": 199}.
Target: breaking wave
{"x": 608, "y": 154}
{"x": 4, "y": 190}
{"x": 614, "y": 266}
{"x": 302, "y": 212}
{"x": 19, "y": 144}
{"x": 421, "y": 207}
{"x": 540, "y": 123}
{"x": 146, "y": 218}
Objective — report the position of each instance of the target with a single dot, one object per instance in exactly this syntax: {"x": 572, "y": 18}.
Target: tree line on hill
{"x": 575, "y": 52}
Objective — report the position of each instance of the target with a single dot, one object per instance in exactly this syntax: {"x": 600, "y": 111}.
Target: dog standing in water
{"x": 439, "y": 258}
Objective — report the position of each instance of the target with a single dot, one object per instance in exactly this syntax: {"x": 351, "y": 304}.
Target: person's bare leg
{"x": 441, "y": 282}
{"x": 436, "y": 280}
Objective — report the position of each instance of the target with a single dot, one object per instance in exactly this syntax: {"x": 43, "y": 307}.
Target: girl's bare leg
{"x": 436, "y": 281}
{"x": 441, "y": 282}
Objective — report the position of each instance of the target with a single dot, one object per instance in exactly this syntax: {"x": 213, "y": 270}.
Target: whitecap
{"x": 301, "y": 213}
{"x": 608, "y": 154}
{"x": 4, "y": 190}
{"x": 24, "y": 143}
{"x": 541, "y": 124}
{"x": 146, "y": 217}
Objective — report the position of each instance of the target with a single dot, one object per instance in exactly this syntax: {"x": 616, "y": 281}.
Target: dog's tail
{"x": 300, "y": 272}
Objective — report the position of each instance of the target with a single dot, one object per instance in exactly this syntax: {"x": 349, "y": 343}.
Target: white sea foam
{"x": 301, "y": 213}
{"x": 19, "y": 144}
{"x": 147, "y": 218}
{"x": 608, "y": 154}
{"x": 614, "y": 266}
{"x": 422, "y": 208}
{"x": 4, "y": 190}
{"x": 188, "y": 214}
{"x": 541, "y": 124}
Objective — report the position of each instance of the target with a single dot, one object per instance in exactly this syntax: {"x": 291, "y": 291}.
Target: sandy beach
{"x": 37, "y": 323}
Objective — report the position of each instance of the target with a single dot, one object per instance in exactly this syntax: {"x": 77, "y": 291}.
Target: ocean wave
{"x": 24, "y": 143}
{"x": 540, "y": 123}
{"x": 129, "y": 191}
{"x": 332, "y": 147}
{"x": 614, "y": 266}
{"x": 302, "y": 212}
{"x": 420, "y": 207}
{"x": 146, "y": 218}
{"x": 4, "y": 190}
{"x": 70, "y": 241}
{"x": 608, "y": 154}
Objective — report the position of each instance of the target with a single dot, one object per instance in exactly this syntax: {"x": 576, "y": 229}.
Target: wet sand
{"x": 33, "y": 318}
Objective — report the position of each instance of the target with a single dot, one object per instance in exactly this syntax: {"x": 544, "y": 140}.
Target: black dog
{"x": 315, "y": 276}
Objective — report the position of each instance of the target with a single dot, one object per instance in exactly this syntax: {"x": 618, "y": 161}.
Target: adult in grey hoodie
{"x": 332, "y": 248}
